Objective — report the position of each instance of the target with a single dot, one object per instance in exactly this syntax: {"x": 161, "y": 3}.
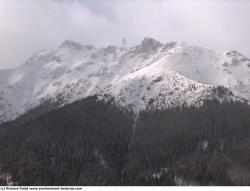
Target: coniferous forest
{"x": 93, "y": 142}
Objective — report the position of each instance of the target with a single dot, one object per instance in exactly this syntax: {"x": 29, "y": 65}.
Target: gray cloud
{"x": 28, "y": 26}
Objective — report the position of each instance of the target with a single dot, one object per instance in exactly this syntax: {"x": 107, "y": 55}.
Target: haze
{"x": 29, "y": 26}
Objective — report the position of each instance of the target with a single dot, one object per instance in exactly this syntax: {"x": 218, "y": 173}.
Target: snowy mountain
{"x": 150, "y": 75}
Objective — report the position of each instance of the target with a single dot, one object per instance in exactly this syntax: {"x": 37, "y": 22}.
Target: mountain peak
{"x": 149, "y": 44}
{"x": 71, "y": 44}
{"x": 149, "y": 41}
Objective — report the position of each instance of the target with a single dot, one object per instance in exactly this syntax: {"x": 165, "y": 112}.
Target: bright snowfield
{"x": 150, "y": 75}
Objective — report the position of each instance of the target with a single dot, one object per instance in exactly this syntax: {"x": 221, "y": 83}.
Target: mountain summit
{"x": 151, "y": 75}
{"x": 149, "y": 44}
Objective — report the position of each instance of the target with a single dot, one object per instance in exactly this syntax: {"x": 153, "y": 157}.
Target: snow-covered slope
{"x": 151, "y": 74}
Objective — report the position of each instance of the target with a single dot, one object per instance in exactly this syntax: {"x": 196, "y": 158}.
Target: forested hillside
{"x": 209, "y": 145}
{"x": 91, "y": 142}
{"x": 84, "y": 143}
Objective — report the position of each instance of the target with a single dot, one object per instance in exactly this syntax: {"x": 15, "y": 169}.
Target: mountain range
{"x": 152, "y": 75}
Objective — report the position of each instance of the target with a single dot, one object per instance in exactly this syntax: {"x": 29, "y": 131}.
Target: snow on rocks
{"x": 150, "y": 75}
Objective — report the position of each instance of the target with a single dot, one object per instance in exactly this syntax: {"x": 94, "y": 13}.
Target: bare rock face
{"x": 149, "y": 44}
{"x": 71, "y": 44}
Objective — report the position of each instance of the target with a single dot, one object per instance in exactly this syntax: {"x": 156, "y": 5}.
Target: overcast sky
{"x": 28, "y": 26}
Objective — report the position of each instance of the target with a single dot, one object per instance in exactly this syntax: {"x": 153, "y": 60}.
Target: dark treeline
{"x": 205, "y": 146}
{"x": 84, "y": 143}
{"x": 91, "y": 142}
